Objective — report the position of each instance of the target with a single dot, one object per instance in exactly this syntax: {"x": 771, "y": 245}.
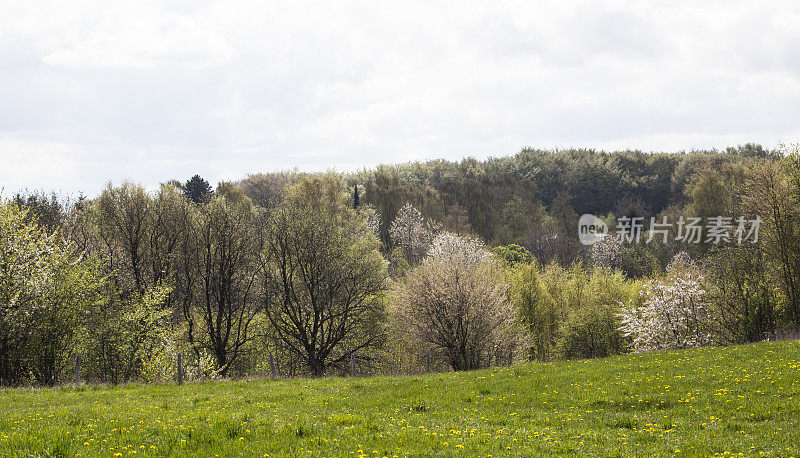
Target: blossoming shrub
{"x": 455, "y": 303}
{"x": 675, "y": 312}
{"x": 45, "y": 289}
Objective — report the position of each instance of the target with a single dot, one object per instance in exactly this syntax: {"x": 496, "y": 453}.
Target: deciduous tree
{"x": 456, "y": 302}
{"x": 324, "y": 275}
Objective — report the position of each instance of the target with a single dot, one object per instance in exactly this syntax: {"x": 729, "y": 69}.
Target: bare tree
{"x": 769, "y": 195}
{"x": 325, "y": 276}
{"x": 218, "y": 278}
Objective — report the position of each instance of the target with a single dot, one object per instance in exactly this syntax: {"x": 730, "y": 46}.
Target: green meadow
{"x": 739, "y": 400}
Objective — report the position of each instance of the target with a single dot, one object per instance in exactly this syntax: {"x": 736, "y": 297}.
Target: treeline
{"x": 400, "y": 269}
{"x": 527, "y": 197}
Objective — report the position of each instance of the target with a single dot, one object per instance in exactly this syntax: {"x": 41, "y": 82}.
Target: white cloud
{"x": 153, "y": 90}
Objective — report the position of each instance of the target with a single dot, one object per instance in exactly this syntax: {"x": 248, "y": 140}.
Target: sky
{"x": 92, "y": 91}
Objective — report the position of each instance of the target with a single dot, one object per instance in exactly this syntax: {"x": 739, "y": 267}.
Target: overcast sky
{"x": 153, "y": 90}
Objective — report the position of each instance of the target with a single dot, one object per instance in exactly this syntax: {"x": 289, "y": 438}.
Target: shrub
{"x": 45, "y": 288}
{"x": 571, "y": 313}
{"x": 456, "y": 302}
{"x": 675, "y": 312}
{"x": 122, "y": 335}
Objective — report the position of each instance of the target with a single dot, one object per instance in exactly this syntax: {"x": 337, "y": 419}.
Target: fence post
{"x": 352, "y": 365}
{"x": 78, "y": 368}
{"x": 272, "y": 366}
{"x": 428, "y": 361}
{"x": 180, "y": 368}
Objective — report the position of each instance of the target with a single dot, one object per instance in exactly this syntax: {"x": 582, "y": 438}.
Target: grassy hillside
{"x": 735, "y": 400}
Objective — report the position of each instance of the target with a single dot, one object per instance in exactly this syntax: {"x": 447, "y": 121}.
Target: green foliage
{"x": 642, "y": 260}
{"x": 46, "y": 210}
{"x": 123, "y": 336}
{"x": 771, "y": 192}
{"x": 521, "y": 221}
{"x": 590, "y": 330}
{"x": 513, "y": 254}
{"x": 746, "y": 295}
{"x": 537, "y": 309}
{"x": 44, "y": 291}
{"x": 197, "y": 190}
{"x": 569, "y": 312}
{"x": 324, "y": 276}
{"x": 193, "y": 269}
{"x": 219, "y": 266}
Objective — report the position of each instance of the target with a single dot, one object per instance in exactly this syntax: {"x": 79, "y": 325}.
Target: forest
{"x": 400, "y": 269}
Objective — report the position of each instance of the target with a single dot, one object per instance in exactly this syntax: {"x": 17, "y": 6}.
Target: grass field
{"x": 734, "y": 400}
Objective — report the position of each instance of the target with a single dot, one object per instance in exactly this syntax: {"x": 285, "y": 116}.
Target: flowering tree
{"x": 606, "y": 253}
{"x": 373, "y": 219}
{"x": 44, "y": 290}
{"x": 448, "y": 246}
{"x": 412, "y": 232}
{"x": 675, "y": 311}
{"x": 456, "y": 301}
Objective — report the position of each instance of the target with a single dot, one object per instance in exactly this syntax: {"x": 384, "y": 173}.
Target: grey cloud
{"x": 158, "y": 91}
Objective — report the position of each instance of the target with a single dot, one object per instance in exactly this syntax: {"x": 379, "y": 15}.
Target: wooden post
{"x": 272, "y": 366}
{"x": 77, "y": 368}
{"x": 352, "y": 365}
{"x": 180, "y": 368}
{"x": 428, "y": 361}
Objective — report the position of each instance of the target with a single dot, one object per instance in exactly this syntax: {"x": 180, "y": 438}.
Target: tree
{"x": 536, "y": 309}
{"x": 558, "y": 237}
{"x": 771, "y": 193}
{"x": 590, "y": 327}
{"x": 45, "y": 209}
{"x": 513, "y": 254}
{"x": 715, "y": 192}
{"x": 675, "y": 313}
{"x": 218, "y": 277}
{"x": 123, "y": 333}
{"x": 521, "y": 221}
{"x": 44, "y": 291}
{"x": 745, "y": 296}
{"x": 456, "y": 302}
{"x": 266, "y": 190}
{"x": 606, "y": 253}
{"x": 123, "y": 220}
{"x": 138, "y": 235}
{"x": 457, "y": 220}
{"x": 324, "y": 276}
{"x": 412, "y": 232}
{"x": 198, "y": 190}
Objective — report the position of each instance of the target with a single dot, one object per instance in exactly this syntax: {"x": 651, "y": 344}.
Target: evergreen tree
{"x": 198, "y": 190}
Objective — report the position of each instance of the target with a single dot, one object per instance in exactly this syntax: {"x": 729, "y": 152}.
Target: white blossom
{"x": 412, "y": 232}
{"x": 674, "y": 313}
{"x": 606, "y": 253}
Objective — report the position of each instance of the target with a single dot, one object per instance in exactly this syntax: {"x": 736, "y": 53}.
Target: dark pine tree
{"x": 355, "y": 197}
{"x": 197, "y": 190}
